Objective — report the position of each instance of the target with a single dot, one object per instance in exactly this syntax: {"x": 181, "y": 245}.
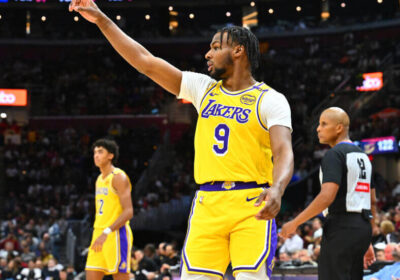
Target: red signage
{"x": 13, "y": 97}
{"x": 372, "y": 82}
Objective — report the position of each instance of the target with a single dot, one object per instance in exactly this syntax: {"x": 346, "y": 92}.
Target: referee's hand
{"x": 272, "y": 197}
{"x": 288, "y": 229}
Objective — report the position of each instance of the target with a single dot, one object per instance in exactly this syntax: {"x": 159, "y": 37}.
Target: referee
{"x": 345, "y": 197}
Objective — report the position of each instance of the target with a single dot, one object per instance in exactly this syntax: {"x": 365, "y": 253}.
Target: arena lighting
{"x": 170, "y": 8}
{"x": 343, "y": 5}
{"x": 191, "y": 16}
{"x": 3, "y": 115}
{"x": 147, "y": 17}
{"x": 271, "y": 11}
{"x": 228, "y": 14}
{"x": 298, "y": 8}
{"x": 0, "y": 16}
{"x": 379, "y": 1}
{"x": 252, "y": 3}
{"x": 76, "y": 18}
{"x": 118, "y": 17}
{"x": 43, "y": 18}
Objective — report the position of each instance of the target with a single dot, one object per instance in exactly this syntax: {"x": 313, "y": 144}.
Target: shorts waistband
{"x": 230, "y": 186}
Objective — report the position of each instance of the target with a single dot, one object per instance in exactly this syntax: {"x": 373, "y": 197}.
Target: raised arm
{"x": 157, "y": 69}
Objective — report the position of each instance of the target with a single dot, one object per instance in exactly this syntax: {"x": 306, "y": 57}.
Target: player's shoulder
{"x": 271, "y": 93}
{"x": 199, "y": 78}
{"x": 273, "y": 100}
{"x": 119, "y": 175}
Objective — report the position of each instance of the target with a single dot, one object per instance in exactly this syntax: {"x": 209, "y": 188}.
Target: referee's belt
{"x": 230, "y": 186}
{"x": 365, "y": 213}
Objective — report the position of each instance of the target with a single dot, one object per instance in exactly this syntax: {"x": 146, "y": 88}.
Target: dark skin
{"x": 225, "y": 61}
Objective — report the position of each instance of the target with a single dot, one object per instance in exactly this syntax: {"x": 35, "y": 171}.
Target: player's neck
{"x": 105, "y": 170}
{"x": 239, "y": 80}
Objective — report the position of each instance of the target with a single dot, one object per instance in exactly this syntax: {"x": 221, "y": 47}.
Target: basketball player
{"x": 345, "y": 194}
{"x": 244, "y": 126}
{"x": 110, "y": 249}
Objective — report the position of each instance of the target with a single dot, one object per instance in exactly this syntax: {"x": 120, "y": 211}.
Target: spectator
{"x": 387, "y": 229}
{"x": 160, "y": 254}
{"x": 147, "y": 268}
{"x": 31, "y": 272}
{"x": 27, "y": 255}
{"x": 150, "y": 251}
{"x": 8, "y": 252}
{"x": 12, "y": 270}
{"x": 55, "y": 238}
{"x": 52, "y": 270}
{"x": 292, "y": 244}
{"x": 380, "y": 255}
{"x": 390, "y": 271}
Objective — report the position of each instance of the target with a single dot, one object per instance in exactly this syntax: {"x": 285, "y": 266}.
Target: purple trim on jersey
{"x": 219, "y": 186}
{"x": 255, "y": 86}
{"x": 258, "y": 112}
{"x": 123, "y": 242}
{"x": 271, "y": 247}
{"x": 207, "y": 94}
{"x": 184, "y": 247}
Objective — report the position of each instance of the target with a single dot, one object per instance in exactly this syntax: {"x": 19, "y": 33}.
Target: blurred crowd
{"x": 49, "y": 174}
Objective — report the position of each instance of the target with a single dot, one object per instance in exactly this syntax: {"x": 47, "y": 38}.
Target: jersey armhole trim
{"x": 207, "y": 92}
{"x": 258, "y": 110}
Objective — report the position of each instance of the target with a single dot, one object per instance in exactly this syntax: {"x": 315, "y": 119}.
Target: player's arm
{"x": 123, "y": 188}
{"x": 281, "y": 145}
{"x": 157, "y": 69}
{"x": 373, "y": 208}
{"x": 320, "y": 203}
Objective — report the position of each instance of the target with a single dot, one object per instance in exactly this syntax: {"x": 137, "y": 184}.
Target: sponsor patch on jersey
{"x": 362, "y": 187}
{"x": 248, "y": 99}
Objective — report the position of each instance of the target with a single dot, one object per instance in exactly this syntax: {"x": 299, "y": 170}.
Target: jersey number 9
{"x": 222, "y": 138}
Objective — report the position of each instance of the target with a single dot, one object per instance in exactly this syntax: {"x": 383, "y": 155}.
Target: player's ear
{"x": 238, "y": 50}
{"x": 110, "y": 156}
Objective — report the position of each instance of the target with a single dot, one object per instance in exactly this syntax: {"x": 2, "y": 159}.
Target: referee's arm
{"x": 321, "y": 202}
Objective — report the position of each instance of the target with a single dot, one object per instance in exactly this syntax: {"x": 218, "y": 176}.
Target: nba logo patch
{"x": 228, "y": 185}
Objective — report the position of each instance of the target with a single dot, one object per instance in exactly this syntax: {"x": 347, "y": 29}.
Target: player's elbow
{"x": 147, "y": 65}
{"x": 129, "y": 213}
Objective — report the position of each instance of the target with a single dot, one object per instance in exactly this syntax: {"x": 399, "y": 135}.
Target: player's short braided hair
{"x": 110, "y": 145}
{"x": 243, "y": 36}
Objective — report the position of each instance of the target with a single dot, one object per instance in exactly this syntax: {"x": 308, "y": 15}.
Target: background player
{"x": 110, "y": 249}
{"x": 345, "y": 189}
{"x": 241, "y": 124}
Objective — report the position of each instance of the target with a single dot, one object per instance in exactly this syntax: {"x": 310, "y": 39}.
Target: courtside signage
{"x": 13, "y": 97}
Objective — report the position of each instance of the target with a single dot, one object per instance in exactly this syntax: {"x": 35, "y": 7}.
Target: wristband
{"x": 107, "y": 231}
